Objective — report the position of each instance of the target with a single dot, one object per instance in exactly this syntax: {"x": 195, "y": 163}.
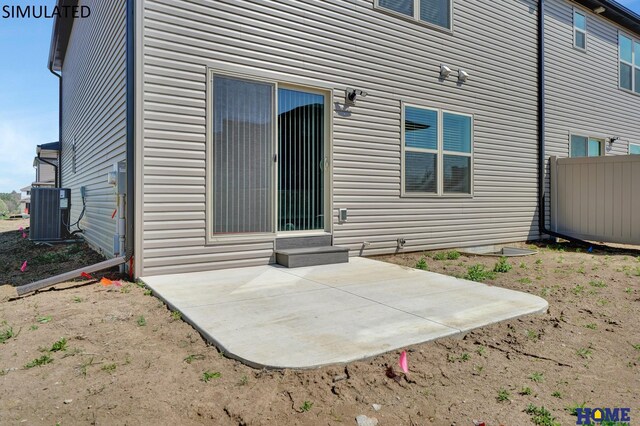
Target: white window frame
{"x": 600, "y": 139}
{"x": 633, "y": 144}
{"x": 416, "y": 15}
{"x": 576, "y": 29}
{"x": 635, "y": 90}
{"x": 440, "y": 153}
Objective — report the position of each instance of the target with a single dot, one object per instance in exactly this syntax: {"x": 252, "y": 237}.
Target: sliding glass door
{"x": 302, "y": 162}
{"x": 268, "y": 163}
{"x": 242, "y": 156}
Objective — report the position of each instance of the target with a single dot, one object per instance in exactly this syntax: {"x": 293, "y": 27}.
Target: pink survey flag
{"x": 23, "y": 267}
{"x": 403, "y": 362}
{"x": 24, "y": 234}
{"x": 21, "y": 229}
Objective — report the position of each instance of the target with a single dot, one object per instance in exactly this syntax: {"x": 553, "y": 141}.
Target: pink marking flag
{"x": 21, "y": 229}
{"x": 23, "y": 267}
{"x": 24, "y": 234}
{"x": 404, "y": 364}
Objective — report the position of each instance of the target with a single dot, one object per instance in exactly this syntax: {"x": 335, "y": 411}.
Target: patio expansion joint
{"x": 381, "y": 303}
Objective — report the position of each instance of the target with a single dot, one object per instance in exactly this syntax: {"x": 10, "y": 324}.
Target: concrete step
{"x": 312, "y": 256}
{"x": 303, "y": 242}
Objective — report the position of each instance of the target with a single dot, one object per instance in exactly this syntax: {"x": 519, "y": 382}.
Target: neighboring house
{"x": 385, "y": 125}
{"x": 46, "y": 165}
{"x": 25, "y": 200}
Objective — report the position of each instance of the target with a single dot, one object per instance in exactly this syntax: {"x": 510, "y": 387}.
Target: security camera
{"x": 352, "y": 94}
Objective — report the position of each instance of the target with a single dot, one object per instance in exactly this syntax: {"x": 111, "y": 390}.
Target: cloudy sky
{"x": 29, "y": 94}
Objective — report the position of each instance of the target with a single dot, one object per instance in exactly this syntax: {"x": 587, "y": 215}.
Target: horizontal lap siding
{"x": 582, "y": 94}
{"x": 94, "y": 116}
{"x": 338, "y": 44}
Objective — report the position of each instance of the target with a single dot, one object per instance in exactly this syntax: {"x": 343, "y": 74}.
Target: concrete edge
{"x": 259, "y": 366}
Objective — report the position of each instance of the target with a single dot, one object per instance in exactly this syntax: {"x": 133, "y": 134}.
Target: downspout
{"x": 131, "y": 128}
{"x": 542, "y": 222}
{"x": 58, "y": 169}
{"x": 55, "y": 166}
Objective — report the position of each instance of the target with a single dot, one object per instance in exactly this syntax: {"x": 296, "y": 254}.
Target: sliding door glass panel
{"x": 242, "y": 156}
{"x": 301, "y": 166}
{"x": 404, "y": 7}
{"x": 436, "y": 12}
{"x": 595, "y": 147}
{"x": 578, "y": 146}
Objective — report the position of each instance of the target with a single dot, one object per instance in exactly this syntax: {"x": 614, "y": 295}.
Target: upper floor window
{"x": 434, "y": 12}
{"x": 584, "y": 146}
{"x": 579, "y": 30}
{"x": 629, "y": 63}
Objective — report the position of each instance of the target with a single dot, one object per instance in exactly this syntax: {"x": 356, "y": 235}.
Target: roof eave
{"x": 615, "y": 12}
{"x": 60, "y": 34}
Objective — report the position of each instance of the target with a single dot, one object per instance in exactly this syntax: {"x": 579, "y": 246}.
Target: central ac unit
{"x": 50, "y": 214}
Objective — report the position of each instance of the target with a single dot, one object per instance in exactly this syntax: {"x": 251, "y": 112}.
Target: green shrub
{"x": 502, "y": 266}
{"x": 479, "y": 273}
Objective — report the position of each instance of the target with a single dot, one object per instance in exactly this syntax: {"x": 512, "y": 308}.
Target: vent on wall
{"x": 49, "y": 214}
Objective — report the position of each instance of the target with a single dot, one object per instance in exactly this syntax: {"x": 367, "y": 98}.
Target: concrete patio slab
{"x": 274, "y": 317}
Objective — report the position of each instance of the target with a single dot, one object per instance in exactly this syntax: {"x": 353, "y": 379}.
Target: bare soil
{"x": 129, "y": 360}
{"x": 42, "y": 260}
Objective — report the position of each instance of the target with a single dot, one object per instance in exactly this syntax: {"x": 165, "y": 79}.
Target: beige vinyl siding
{"x": 582, "y": 94}
{"x": 46, "y": 172}
{"x": 94, "y": 109}
{"x": 336, "y": 44}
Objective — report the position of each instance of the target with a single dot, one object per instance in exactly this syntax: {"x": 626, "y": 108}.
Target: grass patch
{"x": 39, "y": 362}
{"x": 578, "y": 290}
{"x": 537, "y": 377}
{"x": 306, "y": 406}
{"x": 176, "y": 315}
{"x": 6, "y": 334}
{"x": 52, "y": 257}
{"x": 76, "y": 299}
{"x": 44, "y": 319}
{"x": 195, "y": 357}
{"x": 109, "y": 368}
{"x": 502, "y": 266}
{"x": 479, "y": 273}
{"x": 598, "y": 284}
{"x": 591, "y": 326}
{"x": 208, "y": 375}
{"x": 584, "y": 353}
{"x": 573, "y": 409}
{"x": 526, "y": 391}
{"x": 557, "y": 394}
{"x": 503, "y": 395}
{"x": 525, "y": 280}
{"x": 141, "y": 321}
{"x": 532, "y": 335}
{"x": 541, "y": 416}
{"x": 60, "y": 345}
{"x": 422, "y": 264}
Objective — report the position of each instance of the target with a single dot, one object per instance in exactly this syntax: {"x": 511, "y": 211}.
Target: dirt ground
{"x": 42, "y": 260}
{"x": 126, "y": 359}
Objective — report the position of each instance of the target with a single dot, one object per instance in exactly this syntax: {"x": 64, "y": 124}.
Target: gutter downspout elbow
{"x": 58, "y": 168}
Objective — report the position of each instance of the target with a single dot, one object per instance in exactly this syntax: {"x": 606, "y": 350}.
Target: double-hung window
{"x": 579, "y": 30}
{"x": 438, "y": 152}
{"x": 433, "y": 12}
{"x": 629, "y": 63}
{"x": 584, "y": 146}
{"x": 634, "y": 149}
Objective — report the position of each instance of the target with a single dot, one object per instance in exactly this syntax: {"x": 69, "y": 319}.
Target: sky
{"x": 28, "y": 96}
{"x": 29, "y": 93}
